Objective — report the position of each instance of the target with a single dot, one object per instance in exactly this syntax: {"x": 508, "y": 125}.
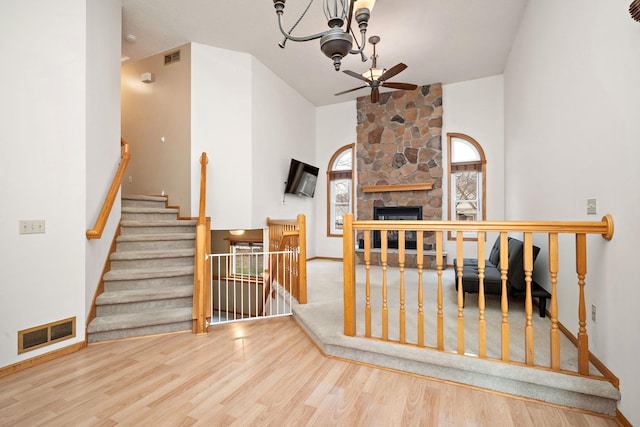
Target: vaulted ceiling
{"x": 440, "y": 40}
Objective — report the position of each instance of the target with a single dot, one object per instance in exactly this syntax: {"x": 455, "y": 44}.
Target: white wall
{"x": 221, "y": 116}
{"x": 572, "y": 103}
{"x": 42, "y": 168}
{"x": 150, "y": 112}
{"x": 103, "y": 128}
{"x": 283, "y": 127}
{"x": 476, "y": 108}
{"x": 335, "y": 128}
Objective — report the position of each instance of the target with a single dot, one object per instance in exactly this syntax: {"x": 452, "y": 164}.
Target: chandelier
{"x": 337, "y": 41}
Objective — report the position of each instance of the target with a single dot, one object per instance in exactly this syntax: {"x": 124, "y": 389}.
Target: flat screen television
{"x": 302, "y": 179}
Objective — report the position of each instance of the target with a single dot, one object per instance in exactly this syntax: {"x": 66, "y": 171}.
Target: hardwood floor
{"x": 263, "y": 372}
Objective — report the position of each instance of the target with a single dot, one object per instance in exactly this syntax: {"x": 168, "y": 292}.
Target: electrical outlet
{"x": 35, "y": 226}
{"x": 593, "y": 312}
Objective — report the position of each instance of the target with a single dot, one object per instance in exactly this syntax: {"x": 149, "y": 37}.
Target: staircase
{"x": 149, "y": 289}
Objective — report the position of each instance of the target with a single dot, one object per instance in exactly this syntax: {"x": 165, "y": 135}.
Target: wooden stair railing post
{"x": 402, "y": 315}
{"x": 460, "y": 255}
{"x": 348, "y": 262}
{"x": 504, "y": 301}
{"x": 482, "y": 324}
{"x": 583, "y": 338}
{"x": 200, "y": 302}
{"x": 419, "y": 265}
{"x": 103, "y": 216}
{"x": 383, "y": 262}
{"x": 553, "y": 314}
{"x": 367, "y": 291}
{"x": 302, "y": 261}
{"x": 439, "y": 265}
{"x": 528, "y": 304}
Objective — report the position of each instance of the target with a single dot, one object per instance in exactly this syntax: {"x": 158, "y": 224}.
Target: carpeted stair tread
{"x": 152, "y": 254}
{"x": 155, "y": 237}
{"x": 144, "y": 294}
{"x": 138, "y": 320}
{"x": 159, "y": 223}
{"x": 149, "y": 210}
{"x": 148, "y": 273}
{"x": 144, "y": 198}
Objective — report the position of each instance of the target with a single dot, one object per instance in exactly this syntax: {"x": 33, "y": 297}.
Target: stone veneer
{"x": 400, "y": 142}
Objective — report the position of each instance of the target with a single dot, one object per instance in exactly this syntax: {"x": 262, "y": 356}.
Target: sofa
{"x": 516, "y": 285}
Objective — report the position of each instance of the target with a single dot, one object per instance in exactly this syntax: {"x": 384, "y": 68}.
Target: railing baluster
{"x": 482, "y": 325}
{"x": 504, "y": 302}
{"x": 419, "y": 263}
{"x": 555, "y": 331}
{"x": 439, "y": 271}
{"x": 367, "y": 267}
{"x": 401, "y": 268}
{"x": 583, "y": 338}
{"x": 348, "y": 272}
{"x": 385, "y": 308}
{"x": 528, "y": 304}
{"x": 460, "y": 255}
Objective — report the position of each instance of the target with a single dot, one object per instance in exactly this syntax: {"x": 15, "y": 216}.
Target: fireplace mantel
{"x": 397, "y": 187}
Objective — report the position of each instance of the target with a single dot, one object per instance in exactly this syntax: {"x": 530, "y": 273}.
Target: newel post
{"x": 348, "y": 253}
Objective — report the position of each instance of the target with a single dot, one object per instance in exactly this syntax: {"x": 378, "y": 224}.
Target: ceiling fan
{"x": 375, "y": 78}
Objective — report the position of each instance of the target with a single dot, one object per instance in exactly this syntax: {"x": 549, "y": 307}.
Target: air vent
{"x": 172, "y": 57}
{"x": 41, "y": 336}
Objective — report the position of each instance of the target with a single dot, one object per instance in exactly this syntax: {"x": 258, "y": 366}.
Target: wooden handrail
{"x": 201, "y": 273}
{"x": 101, "y": 222}
{"x": 364, "y": 229}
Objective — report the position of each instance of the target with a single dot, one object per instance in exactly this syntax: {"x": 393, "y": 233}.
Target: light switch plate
{"x": 592, "y": 206}
{"x": 31, "y": 226}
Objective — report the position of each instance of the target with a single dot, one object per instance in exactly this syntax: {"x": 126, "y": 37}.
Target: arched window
{"x": 339, "y": 189}
{"x": 467, "y": 180}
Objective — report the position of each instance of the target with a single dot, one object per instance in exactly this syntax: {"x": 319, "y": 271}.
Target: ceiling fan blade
{"x": 392, "y": 71}
{"x": 375, "y": 95}
{"x": 350, "y": 90}
{"x": 356, "y": 75}
{"x": 404, "y": 86}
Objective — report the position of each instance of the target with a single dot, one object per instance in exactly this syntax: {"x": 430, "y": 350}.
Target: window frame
{"x": 245, "y": 242}
{"x": 479, "y": 166}
{"x": 334, "y": 175}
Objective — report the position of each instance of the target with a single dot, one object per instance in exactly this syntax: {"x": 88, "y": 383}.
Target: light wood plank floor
{"x": 264, "y": 372}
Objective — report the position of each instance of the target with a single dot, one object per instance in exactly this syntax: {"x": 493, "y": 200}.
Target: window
{"x": 339, "y": 189}
{"x": 467, "y": 180}
{"x": 247, "y": 258}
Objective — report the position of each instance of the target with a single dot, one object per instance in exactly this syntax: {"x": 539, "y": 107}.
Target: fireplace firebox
{"x": 395, "y": 214}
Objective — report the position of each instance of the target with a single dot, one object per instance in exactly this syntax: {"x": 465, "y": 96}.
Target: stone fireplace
{"x": 399, "y": 153}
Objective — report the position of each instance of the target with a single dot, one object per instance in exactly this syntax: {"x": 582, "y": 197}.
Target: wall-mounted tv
{"x": 302, "y": 179}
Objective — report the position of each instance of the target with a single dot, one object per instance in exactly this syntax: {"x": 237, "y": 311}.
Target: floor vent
{"x": 41, "y": 336}
{"x": 172, "y": 57}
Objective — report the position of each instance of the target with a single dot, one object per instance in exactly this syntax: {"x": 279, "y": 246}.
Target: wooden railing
{"x": 406, "y": 306}
{"x": 201, "y": 269}
{"x": 287, "y": 235}
{"x": 101, "y": 222}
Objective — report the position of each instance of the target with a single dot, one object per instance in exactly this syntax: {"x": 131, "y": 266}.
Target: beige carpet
{"x": 325, "y": 286}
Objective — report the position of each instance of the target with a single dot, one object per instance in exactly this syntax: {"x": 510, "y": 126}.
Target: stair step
{"x": 137, "y": 324}
{"x": 138, "y": 242}
{"x": 129, "y": 200}
{"x": 157, "y": 227}
{"x": 155, "y": 258}
{"x": 149, "y": 213}
{"x": 145, "y": 299}
{"x": 117, "y": 280}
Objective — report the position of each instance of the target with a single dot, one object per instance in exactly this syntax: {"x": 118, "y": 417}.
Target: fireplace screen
{"x": 395, "y": 214}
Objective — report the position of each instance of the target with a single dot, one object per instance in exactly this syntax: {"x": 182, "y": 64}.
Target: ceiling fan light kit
{"x": 375, "y": 77}
{"x": 337, "y": 41}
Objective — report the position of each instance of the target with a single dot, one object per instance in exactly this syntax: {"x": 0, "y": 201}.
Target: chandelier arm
{"x": 350, "y": 13}
{"x": 294, "y": 38}
{"x": 360, "y": 49}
